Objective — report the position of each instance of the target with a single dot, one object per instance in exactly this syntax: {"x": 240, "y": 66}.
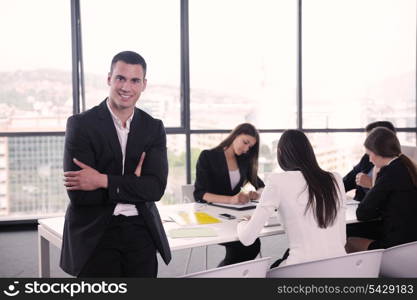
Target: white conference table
{"x": 50, "y": 230}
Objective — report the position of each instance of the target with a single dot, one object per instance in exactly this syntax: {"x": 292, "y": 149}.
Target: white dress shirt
{"x": 234, "y": 178}
{"x": 288, "y": 193}
{"x": 122, "y": 134}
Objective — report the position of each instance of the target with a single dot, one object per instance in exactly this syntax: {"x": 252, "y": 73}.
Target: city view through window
{"x": 243, "y": 68}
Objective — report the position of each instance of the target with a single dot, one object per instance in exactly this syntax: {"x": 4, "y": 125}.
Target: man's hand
{"x": 363, "y": 180}
{"x": 138, "y": 170}
{"x": 240, "y": 198}
{"x": 86, "y": 179}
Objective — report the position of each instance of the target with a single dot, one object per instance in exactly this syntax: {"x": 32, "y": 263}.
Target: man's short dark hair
{"x": 129, "y": 57}
{"x": 386, "y": 124}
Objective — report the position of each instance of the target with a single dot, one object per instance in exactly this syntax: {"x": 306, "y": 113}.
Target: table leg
{"x": 187, "y": 264}
{"x": 43, "y": 256}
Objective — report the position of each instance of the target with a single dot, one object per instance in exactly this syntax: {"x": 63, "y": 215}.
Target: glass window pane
{"x": 200, "y": 142}
{"x": 31, "y": 177}
{"x": 151, "y": 28}
{"x": 359, "y": 63}
{"x": 35, "y": 72}
{"x": 339, "y": 152}
{"x": 177, "y": 173}
{"x": 407, "y": 138}
{"x": 243, "y": 63}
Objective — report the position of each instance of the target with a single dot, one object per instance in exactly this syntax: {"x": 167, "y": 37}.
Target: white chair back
{"x": 187, "y": 193}
{"x": 359, "y": 264}
{"x": 249, "y": 269}
{"x": 400, "y": 261}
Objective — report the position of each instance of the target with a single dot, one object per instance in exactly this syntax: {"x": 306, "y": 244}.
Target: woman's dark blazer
{"x": 394, "y": 200}
{"x": 364, "y": 166}
{"x": 212, "y": 174}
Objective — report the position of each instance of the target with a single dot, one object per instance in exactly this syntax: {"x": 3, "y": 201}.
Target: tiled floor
{"x": 19, "y": 255}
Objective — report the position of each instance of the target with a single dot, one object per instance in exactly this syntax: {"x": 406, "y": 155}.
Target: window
{"x": 151, "y": 28}
{"x": 358, "y": 66}
{"x": 35, "y": 72}
{"x": 176, "y": 174}
{"x": 31, "y": 181}
{"x": 359, "y": 63}
{"x": 243, "y": 63}
{"x": 340, "y": 151}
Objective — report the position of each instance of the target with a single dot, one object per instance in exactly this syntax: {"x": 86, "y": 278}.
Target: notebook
{"x": 249, "y": 205}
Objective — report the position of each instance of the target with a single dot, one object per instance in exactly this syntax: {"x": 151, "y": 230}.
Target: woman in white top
{"x": 310, "y": 200}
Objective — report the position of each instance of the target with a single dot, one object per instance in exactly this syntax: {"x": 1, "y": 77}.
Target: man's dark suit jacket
{"x": 92, "y": 138}
{"x": 212, "y": 174}
{"x": 394, "y": 199}
{"x": 364, "y": 166}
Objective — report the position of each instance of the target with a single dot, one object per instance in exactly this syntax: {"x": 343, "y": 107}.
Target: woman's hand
{"x": 253, "y": 195}
{"x": 240, "y": 198}
{"x": 363, "y": 180}
{"x": 244, "y": 218}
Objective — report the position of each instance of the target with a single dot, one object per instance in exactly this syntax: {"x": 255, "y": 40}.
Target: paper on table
{"x": 191, "y": 232}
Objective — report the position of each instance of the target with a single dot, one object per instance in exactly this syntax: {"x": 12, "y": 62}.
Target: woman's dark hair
{"x": 386, "y": 124}
{"x": 252, "y": 154}
{"x": 295, "y": 153}
{"x": 384, "y": 142}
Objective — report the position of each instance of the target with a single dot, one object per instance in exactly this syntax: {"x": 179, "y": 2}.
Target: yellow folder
{"x": 193, "y": 218}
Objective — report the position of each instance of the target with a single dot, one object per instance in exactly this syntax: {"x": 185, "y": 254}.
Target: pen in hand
{"x": 244, "y": 218}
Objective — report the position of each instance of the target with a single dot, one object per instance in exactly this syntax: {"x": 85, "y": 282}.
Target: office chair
{"x": 359, "y": 264}
{"x": 400, "y": 261}
{"x": 249, "y": 269}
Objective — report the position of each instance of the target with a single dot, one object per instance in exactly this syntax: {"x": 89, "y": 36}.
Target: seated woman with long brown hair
{"x": 221, "y": 173}
{"x": 393, "y": 198}
{"x": 311, "y": 203}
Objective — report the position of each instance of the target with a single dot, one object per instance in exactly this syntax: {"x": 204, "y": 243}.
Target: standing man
{"x": 112, "y": 226}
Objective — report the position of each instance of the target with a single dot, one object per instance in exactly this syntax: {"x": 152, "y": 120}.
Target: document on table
{"x": 188, "y": 232}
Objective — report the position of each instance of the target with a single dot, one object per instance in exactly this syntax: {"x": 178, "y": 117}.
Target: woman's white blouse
{"x": 234, "y": 178}
{"x": 288, "y": 193}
